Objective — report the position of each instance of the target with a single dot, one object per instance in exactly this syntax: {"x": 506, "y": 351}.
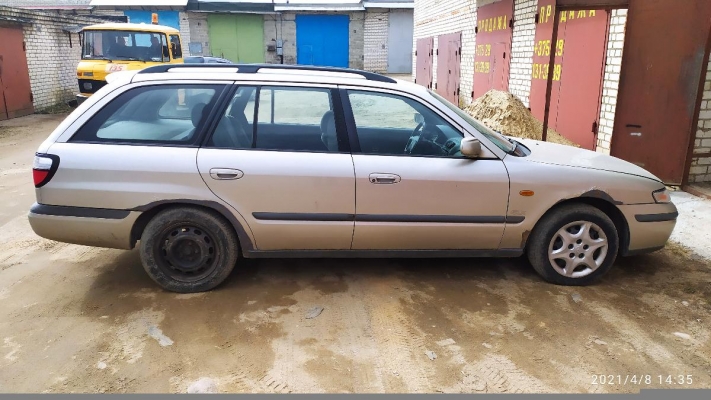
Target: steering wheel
{"x": 414, "y": 138}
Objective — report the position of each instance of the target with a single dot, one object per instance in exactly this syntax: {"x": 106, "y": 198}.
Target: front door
{"x": 411, "y": 193}
{"x": 274, "y": 157}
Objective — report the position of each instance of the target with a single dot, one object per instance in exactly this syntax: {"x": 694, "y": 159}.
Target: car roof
{"x": 124, "y": 26}
{"x": 275, "y": 73}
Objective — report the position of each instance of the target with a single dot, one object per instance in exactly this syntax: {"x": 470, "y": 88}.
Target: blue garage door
{"x": 165, "y": 18}
{"x": 322, "y": 40}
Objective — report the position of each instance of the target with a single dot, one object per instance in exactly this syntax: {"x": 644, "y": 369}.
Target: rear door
{"x": 275, "y": 158}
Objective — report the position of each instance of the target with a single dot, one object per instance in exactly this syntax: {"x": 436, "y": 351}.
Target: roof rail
{"x": 254, "y": 68}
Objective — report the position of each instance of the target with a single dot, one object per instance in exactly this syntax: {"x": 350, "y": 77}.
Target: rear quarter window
{"x": 170, "y": 114}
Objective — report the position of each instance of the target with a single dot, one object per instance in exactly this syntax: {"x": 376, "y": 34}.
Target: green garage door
{"x": 237, "y": 37}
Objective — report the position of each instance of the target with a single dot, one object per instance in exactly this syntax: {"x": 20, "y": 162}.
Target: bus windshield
{"x": 125, "y": 45}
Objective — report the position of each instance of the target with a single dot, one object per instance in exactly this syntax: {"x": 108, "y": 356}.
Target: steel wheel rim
{"x": 186, "y": 252}
{"x": 578, "y": 249}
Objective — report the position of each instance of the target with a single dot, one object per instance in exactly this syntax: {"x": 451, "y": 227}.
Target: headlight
{"x": 661, "y": 196}
{"x": 87, "y": 85}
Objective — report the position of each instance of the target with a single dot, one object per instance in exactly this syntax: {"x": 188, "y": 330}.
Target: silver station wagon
{"x": 204, "y": 164}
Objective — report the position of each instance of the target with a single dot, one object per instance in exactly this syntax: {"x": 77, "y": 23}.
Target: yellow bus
{"x": 113, "y": 47}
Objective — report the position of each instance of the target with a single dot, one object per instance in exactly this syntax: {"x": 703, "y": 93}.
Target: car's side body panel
{"x": 553, "y": 184}
{"x": 291, "y": 200}
{"x": 438, "y": 203}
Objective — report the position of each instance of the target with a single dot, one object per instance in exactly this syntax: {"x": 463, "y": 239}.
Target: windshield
{"x": 495, "y": 137}
{"x": 125, "y": 45}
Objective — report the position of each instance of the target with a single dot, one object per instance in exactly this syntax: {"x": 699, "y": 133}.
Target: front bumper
{"x": 650, "y": 226}
{"x": 84, "y": 226}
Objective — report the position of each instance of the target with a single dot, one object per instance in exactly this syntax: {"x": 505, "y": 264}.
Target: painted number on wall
{"x": 483, "y": 50}
{"x": 482, "y": 66}
{"x": 543, "y": 48}
{"x": 540, "y": 71}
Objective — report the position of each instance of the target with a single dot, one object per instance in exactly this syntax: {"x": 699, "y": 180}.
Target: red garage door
{"x": 494, "y": 33}
{"x": 423, "y": 59}
{"x": 577, "y": 74}
{"x": 15, "y": 92}
{"x": 449, "y": 61}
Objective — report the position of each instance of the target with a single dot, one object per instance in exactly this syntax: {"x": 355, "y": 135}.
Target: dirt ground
{"x": 80, "y": 319}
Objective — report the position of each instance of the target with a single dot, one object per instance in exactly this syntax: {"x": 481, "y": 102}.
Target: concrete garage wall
{"x": 438, "y": 17}
{"x": 185, "y": 32}
{"x": 51, "y": 60}
{"x": 280, "y": 26}
{"x": 356, "y": 40}
{"x": 197, "y": 25}
{"x": 375, "y": 41}
{"x": 283, "y": 26}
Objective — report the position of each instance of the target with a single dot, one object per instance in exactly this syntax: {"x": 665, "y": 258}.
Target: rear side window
{"x": 287, "y": 119}
{"x": 152, "y": 114}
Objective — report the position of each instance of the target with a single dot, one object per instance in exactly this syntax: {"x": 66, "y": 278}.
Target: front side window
{"x": 164, "y": 114}
{"x": 287, "y": 118}
{"x": 175, "y": 47}
{"x": 125, "y": 45}
{"x": 496, "y": 138}
{"x": 396, "y": 125}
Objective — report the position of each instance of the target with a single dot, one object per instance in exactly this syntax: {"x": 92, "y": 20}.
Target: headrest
{"x": 198, "y": 114}
{"x": 328, "y": 121}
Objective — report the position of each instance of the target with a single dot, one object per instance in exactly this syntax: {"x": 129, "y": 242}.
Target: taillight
{"x": 43, "y": 168}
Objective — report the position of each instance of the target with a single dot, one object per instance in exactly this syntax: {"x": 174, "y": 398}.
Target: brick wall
{"x": 701, "y": 165}
{"x": 356, "y": 39}
{"x": 51, "y": 61}
{"x": 524, "y": 32}
{"x": 197, "y": 26}
{"x": 611, "y": 80}
{"x": 437, "y": 17}
{"x": 184, "y": 32}
{"x": 280, "y": 26}
{"x": 375, "y": 41}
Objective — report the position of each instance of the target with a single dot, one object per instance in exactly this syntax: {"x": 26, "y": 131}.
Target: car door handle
{"x": 384, "y": 179}
{"x": 225, "y": 173}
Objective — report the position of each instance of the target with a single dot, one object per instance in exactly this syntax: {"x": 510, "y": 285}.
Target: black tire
{"x": 188, "y": 250}
{"x": 546, "y": 231}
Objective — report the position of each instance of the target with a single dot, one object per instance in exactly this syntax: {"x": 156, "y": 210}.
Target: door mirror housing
{"x": 470, "y": 147}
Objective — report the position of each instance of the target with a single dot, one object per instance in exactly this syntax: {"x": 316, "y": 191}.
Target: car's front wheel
{"x": 188, "y": 249}
{"x": 574, "y": 244}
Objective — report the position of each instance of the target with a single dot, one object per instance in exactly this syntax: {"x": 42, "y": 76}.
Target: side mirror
{"x": 470, "y": 147}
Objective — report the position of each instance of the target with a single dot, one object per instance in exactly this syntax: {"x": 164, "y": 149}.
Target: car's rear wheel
{"x": 188, "y": 250}
{"x": 573, "y": 245}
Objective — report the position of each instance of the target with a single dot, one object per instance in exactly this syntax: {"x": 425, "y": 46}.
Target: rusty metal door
{"x": 494, "y": 33}
{"x": 577, "y": 74}
{"x": 662, "y": 69}
{"x": 15, "y": 92}
{"x": 449, "y": 65}
{"x": 424, "y": 56}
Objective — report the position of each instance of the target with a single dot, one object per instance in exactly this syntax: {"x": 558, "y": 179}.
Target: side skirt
{"x": 382, "y": 253}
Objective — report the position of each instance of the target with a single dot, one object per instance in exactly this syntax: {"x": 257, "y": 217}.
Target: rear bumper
{"x": 85, "y": 226}
{"x": 650, "y": 226}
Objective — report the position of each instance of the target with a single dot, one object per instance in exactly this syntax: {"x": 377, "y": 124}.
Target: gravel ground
{"x": 80, "y": 319}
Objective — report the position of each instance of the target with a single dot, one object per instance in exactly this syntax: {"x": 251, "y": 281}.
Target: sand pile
{"x": 504, "y": 112}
